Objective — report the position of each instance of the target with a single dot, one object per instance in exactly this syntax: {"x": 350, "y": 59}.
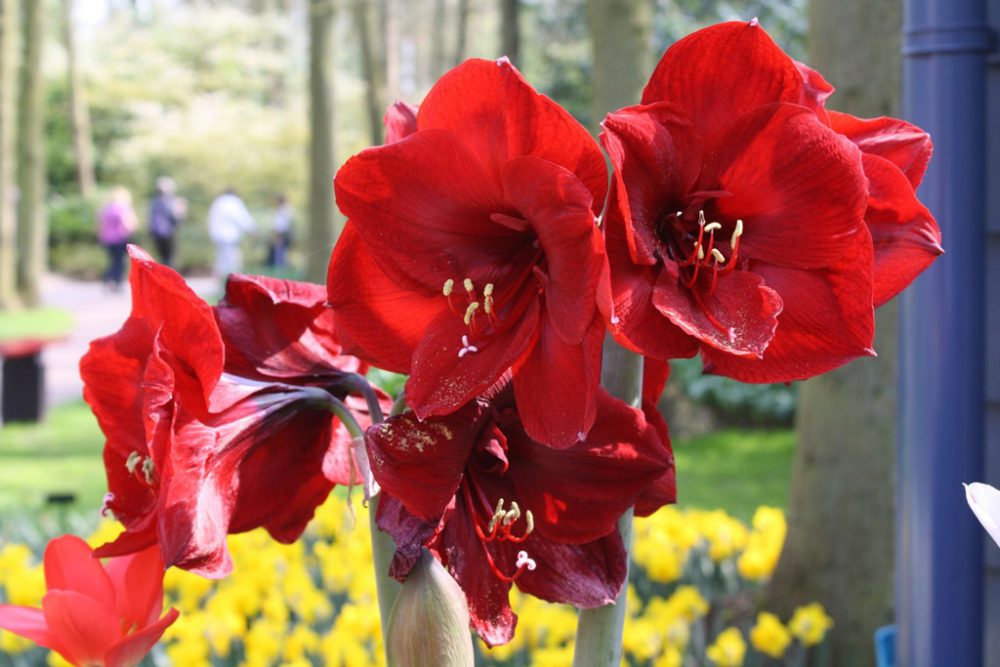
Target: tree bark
{"x": 79, "y": 114}
{"x": 438, "y": 42}
{"x": 389, "y": 10}
{"x": 510, "y": 30}
{"x": 322, "y": 222}
{"x": 461, "y": 30}
{"x": 841, "y": 515}
{"x": 620, "y": 33}
{"x": 31, "y": 228}
{"x": 374, "y": 83}
{"x": 8, "y": 220}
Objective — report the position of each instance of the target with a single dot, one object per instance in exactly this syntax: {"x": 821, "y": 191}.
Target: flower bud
{"x": 429, "y": 624}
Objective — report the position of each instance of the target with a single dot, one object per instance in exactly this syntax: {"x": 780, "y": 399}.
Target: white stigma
{"x": 525, "y": 560}
{"x": 466, "y": 347}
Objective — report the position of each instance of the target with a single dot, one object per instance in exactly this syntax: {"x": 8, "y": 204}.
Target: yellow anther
{"x": 488, "y": 290}
{"x": 530, "y": 520}
{"x": 147, "y": 469}
{"x": 701, "y": 251}
{"x": 132, "y": 461}
{"x": 449, "y": 285}
{"x": 470, "y": 312}
{"x": 737, "y": 232}
{"x": 498, "y": 514}
{"x": 513, "y": 514}
{"x": 488, "y": 298}
{"x": 712, "y": 226}
{"x": 701, "y": 218}
{"x": 468, "y": 285}
{"x": 718, "y": 256}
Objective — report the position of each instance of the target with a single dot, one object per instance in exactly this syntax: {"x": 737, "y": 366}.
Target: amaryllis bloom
{"x": 498, "y": 508}
{"x": 472, "y": 248}
{"x": 984, "y": 500}
{"x": 193, "y": 454}
{"x": 743, "y": 213}
{"x": 95, "y": 615}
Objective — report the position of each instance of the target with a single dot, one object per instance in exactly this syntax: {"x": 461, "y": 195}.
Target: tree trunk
{"x": 438, "y": 62}
{"x": 8, "y": 220}
{"x": 620, "y": 34}
{"x": 841, "y": 515}
{"x": 374, "y": 88}
{"x": 389, "y": 21}
{"x": 510, "y": 30}
{"x": 31, "y": 227}
{"x": 79, "y": 114}
{"x": 461, "y": 30}
{"x": 322, "y": 223}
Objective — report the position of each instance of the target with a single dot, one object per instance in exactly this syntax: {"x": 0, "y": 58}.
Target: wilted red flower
{"x": 94, "y": 615}
{"x": 737, "y": 224}
{"x": 193, "y": 454}
{"x": 471, "y": 248}
{"x": 496, "y": 507}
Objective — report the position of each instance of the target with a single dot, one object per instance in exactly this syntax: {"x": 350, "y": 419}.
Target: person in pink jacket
{"x": 115, "y": 225}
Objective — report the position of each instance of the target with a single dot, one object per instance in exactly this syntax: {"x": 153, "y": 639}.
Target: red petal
{"x": 138, "y": 584}
{"x": 29, "y": 623}
{"x": 906, "y": 236}
{"x": 281, "y": 330}
{"x": 815, "y": 90}
{"x": 130, "y": 650}
{"x": 421, "y": 462}
{"x": 655, "y": 373}
{"x": 442, "y": 381}
{"x": 739, "y": 317}
{"x": 827, "y": 321}
{"x": 656, "y": 154}
{"x": 70, "y": 566}
{"x": 400, "y": 121}
{"x": 84, "y": 626}
{"x": 578, "y": 494}
{"x": 798, "y": 187}
{"x": 584, "y": 575}
{"x": 663, "y": 491}
{"x": 498, "y": 116}
{"x": 408, "y": 532}
{"x": 136, "y": 538}
{"x": 905, "y": 145}
{"x": 383, "y": 322}
{"x": 558, "y": 207}
{"x": 723, "y": 71}
{"x": 555, "y": 385}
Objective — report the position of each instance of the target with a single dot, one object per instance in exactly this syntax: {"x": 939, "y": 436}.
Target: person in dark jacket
{"x": 166, "y": 212}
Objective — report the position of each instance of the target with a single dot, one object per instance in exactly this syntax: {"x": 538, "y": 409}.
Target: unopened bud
{"x": 429, "y": 624}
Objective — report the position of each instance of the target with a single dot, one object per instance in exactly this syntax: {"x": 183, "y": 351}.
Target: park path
{"x": 96, "y": 312}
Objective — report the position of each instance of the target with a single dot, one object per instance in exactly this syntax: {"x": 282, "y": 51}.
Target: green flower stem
{"x": 382, "y": 550}
{"x": 361, "y": 385}
{"x": 599, "y": 631}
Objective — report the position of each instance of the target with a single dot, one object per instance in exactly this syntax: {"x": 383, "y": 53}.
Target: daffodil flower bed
{"x": 695, "y": 591}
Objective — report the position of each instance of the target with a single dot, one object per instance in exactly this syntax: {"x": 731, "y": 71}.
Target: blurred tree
{"x": 839, "y": 549}
{"x": 371, "y": 68}
{"x": 8, "y": 221}
{"x": 79, "y": 114}
{"x": 620, "y": 34}
{"x": 31, "y": 227}
{"x": 389, "y": 20}
{"x": 510, "y": 30}
{"x": 438, "y": 42}
{"x": 322, "y": 223}
{"x": 461, "y": 30}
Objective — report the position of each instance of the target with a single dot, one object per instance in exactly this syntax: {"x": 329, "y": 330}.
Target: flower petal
{"x": 722, "y": 71}
{"x": 584, "y": 575}
{"x": 901, "y": 143}
{"x": 400, "y": 121}
{"x": 29, "y": 623}
{"x": 129, "y": 651}
{"x": 984, "y": 500}
{"x": 70, "y": 566}
{"x": 499, "y": 117}
{"x": 408, "y": 532}
{"x": 138, "y": 584}
{"x": 85, "y": 627}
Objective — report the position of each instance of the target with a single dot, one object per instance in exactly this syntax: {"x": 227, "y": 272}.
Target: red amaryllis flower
{"x": 496, "y": 507}
{"x": 95, "y": 615}
{"x": 737, "y": 220}
{"x": 471, "y": 249}
{"x": 193, "y": 454}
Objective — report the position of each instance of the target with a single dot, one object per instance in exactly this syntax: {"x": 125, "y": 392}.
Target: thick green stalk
{"x": 599, "y": 631}
{"x": 382, "y": 550}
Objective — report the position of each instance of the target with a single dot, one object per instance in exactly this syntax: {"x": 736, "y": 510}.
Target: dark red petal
{"x": 663, "y": 491}
{"x": 723, "y": 71}
{"x": 400, "y": 121}
{"x": 739, "y": 317}
{"x": 421, "y": 462}
{"x": 656, "y": 154}
{"x": 283, "y": 330}
{"x": 383, "y": 322}
{"x": 70, "y": 566}
{"x": 904, "y": 144}
{"x": 408, "y": 532}
{"x": 555, "y": 385}
{"x": 798, "y": 186}
{"x": 827, "y": 321}
{"x": 499, "y": 117}
{"x": 29, "y": 623}
{"x": 655, "y": 373}
{"x": 584, "y": 575}
{"x": 422, "y": 206}
{"x": 136, "y": 538}
{"x": 906, "y": 236}
{"x": 442, "y": 381}
{"x": 84, "y": 626}
{"x": 557, "y": 205}
{"x": 130, "y": 651}
{"x": 138, "y": 584}
{"x": 578, "y": 494}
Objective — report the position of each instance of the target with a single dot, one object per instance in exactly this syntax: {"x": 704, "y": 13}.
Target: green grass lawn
{"x": 734, "y": 470}
{"x": 35, "y": 323}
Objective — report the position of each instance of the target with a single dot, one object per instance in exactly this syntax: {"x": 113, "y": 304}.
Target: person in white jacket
{"x": 228, "y": 221}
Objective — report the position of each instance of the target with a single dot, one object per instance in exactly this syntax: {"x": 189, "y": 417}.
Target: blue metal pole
{"x": 939, "y": 591}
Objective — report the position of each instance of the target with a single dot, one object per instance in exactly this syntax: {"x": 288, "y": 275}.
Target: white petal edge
{"x": 985, "y": 503}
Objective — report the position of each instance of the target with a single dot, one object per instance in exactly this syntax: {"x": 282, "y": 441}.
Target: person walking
{"x": 166, "y": 212}
{"x": 228, "y": 221}
{"x": 115, "y": 225}
{"x": 281, "y": 233}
